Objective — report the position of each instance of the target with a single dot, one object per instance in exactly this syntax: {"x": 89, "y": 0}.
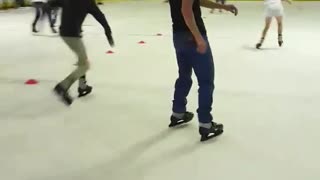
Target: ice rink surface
{"x": 267, "y": 99}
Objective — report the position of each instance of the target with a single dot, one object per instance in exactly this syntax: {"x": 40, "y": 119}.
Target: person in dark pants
{"x": 193, "y": 52}
{"x": 41, "y": 10}
{"x": 74, "y": 13}
{"x": 20, "y": 3}
{"x": 223, "y": 2}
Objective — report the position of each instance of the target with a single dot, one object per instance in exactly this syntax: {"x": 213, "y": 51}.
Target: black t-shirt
{"x": 73, "y": 14}
{"x": 178, "y": 22}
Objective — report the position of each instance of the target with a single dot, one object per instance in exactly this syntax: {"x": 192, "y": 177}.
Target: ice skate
{"x": 187, "y": 117}
{"x": 214, "y": 131}
{"x": 63, "y": 95}
{"x": 84, "y": 91}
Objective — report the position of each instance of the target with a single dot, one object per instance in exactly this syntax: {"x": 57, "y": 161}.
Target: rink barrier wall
{"x": 6, "y": 4}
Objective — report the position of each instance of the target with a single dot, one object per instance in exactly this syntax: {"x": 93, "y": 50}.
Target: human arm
{"x": 100, "y": 17}
{"x": 190, "y": 21}
{"x": 212, "y": 5}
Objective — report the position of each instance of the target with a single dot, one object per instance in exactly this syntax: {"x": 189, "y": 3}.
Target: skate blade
{"x": 84, "y": 94}
{"x": 174, "y": 124}
{"x": 207, "y": 137}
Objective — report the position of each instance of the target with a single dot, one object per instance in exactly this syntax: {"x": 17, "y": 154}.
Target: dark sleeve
{"x": 55, "y": 3}
{"x": 99, "y": 16}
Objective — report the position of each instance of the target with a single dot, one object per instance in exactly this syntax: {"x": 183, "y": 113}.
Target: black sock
{"x": 279, "y": 37}
{"x": 82, "y": 82}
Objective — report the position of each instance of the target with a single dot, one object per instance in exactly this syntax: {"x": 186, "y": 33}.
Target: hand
{"x": 110, "y": 39}
{"x": 201, "y": 45}
{"x": 231, "y": 8}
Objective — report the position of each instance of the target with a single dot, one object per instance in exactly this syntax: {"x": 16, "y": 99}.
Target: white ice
{"x": 268, "y": 100}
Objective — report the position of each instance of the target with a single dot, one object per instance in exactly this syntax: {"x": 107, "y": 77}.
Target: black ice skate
{"x": 63, "y": 95}
{"x": 187, "y": 117}
{"x": 280, "y": 43}
{"x": 54, "y": 31}
{"x": 214, "y": 131}
{"x": 84, "y": 91}
{"x": 34, "y": 29}
{"x": 258, "y": 46}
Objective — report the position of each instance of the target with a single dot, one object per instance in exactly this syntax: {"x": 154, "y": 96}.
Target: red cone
{"x": 31, "y": 82}
{"x": 109, "y": 52}
{"x": 142, "y": 42}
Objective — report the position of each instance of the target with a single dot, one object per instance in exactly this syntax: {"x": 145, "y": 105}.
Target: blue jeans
{"x": 188, "y": 58}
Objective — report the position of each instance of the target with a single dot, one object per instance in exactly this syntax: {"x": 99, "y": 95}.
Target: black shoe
{"x": 34, "y": 29}
{"x": 214, "y": 131}
{"x": 258, "y": 45}
{"x": 280, "y": 43}
{"x": 63, "y": 95}
{"x": 187, "y": 117}
{"x": 54, "y": 30}
{"x": 280, "y": 40}
{"x": 83, "y": 92}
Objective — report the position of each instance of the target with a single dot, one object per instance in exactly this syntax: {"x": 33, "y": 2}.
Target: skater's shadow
{"x": 21, "y": 106}
{"x": 252, "y": 48}
{"x": 46, "y": 35}
{"x": 132, "y": 163}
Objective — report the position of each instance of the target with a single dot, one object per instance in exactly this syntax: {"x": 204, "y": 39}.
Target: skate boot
{"x": 63, "y": 95}
{"x": 214, "y": 131}
{"x": 54, "y": 31}
{"x": 258, "y": 45}
{"x": 280, "y": 40}
{"x": 187, "y": 117}
{"x": 34, "y": 29}
{"x": 84, "y": 91}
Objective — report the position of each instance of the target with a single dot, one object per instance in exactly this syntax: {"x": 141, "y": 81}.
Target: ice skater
{"x": 223, "y": 2}
{"x": 193, "y": 52}
{"x": 74, "y": 13}
{"x": 41, "y": 10}
{"x": 273, "y": 8}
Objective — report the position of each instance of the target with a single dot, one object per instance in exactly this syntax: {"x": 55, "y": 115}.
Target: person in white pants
{"x": 273, "y": 8}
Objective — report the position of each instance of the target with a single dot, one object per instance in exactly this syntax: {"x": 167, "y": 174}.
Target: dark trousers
{"x": 221, "y": 1}
{"x": 20, "y": 3}
{"x": 41, "y": 10}
{"x": 202, "y": 64}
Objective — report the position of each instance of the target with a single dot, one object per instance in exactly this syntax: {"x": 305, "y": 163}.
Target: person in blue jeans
{"x": 193, "y": 52}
